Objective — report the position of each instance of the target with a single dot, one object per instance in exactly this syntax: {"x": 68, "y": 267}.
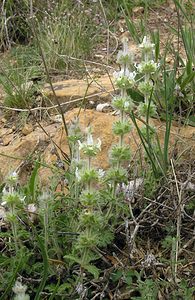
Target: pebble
{"x": 28, "y": 128}
{"x": 103, "y": 107}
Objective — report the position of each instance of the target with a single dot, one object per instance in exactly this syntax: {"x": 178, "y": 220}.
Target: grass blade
{"x": 45, "y": 268}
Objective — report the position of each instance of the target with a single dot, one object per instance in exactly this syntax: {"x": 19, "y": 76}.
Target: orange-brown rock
{"x": 70, "y": 90}
{"x": 14, "y": 154}
{"x": 181, "y": 138}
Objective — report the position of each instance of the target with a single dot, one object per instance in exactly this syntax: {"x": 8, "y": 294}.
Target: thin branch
{"x": 53, "y": 106}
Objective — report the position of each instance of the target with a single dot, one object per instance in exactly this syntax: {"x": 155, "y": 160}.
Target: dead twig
{"x": 179, "y": 210}
{"x": 53, "y": 106}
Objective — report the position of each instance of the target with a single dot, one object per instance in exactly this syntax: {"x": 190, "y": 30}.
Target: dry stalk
{"x": 179, "y": 211}
{"x": 53, "y": 106}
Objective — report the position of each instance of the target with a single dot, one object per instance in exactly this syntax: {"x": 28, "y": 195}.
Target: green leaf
{"x": 189, "y": 67}
{"x": 65, "y": 286}
{"x": 45, "y": 268}
{"x": 54, "y": 289}
{"x": 156, "y": 40}
{"x": 90, "y": 268}
{"x": 178, "y": 5}
{"x": 116, "y": 276}
{"x": 93, "y": 270}
{"x": 33, "y": 182}
{"x": 128, "y": 279}
{"x": 187, "y": 80}
{"x": 13, "y": 278}
{"x": 191, "y": 121}
{"x": 106, "y": 238}
{"x": 73, "y": 258}
{"x": 136, "y": 96}
{"x": 132, "y": 30}
{"x": 129, "y": 276}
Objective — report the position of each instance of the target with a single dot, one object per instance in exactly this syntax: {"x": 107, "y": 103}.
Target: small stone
{"x": 100, "y": 55}
{"x": 103, "y": 107}
{"x": 138, "y": 10}
{"x": 91, "y": 104}
{"x": 172, "y": 6}
{"x": 5, "y": 131}
{"x": 27, "y": 129}
{"x": 122, "y": 25}
{"x": 56, "y": 118}
{"x": 169, "y": 59}
{"x": 7, "y": 139}
{"x": 4, "y": 120}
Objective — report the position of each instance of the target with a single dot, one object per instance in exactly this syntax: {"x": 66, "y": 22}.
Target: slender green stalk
{"x": 45, "y": 268}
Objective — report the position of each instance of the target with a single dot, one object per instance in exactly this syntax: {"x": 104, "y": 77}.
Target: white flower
{"x": 147, "y": 67}
{"x": 22, "y": 297}
{"x": 101, "y": 173}
{"x": 81, "y": 145}
{"x": 89, "y": 139}
{"x": 5, "y": 193}
{"x": 130, "y": 75}
{"x": 45, "y": 196}
{"x": 11, "y": 198}
{"x": 89, "y": 142}
{"x": 32, "y": 208}
{"x": 90, "y": 145}
{"x": 14, "y": 175}
{"x": 20, "y": 290}
{"x": 116, "y": 74}
{"x": 99, "y": 143}
{"x": 125, "y": 41}
{"x": 12, "y": 179}
{"x": 77, "y": 174}
{"x": 44, "y": 199}
{"x": 125, "y": 56}
{"x": 146, "y": 44}
{"x": 128, "y": 106}
{"x": 125, "y": 73}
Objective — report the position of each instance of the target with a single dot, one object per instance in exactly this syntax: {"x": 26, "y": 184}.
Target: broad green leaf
{"x": 93, "y": 270}
{"x": 187, "y": 80}
{"x": 191, "y": 121}
{"x": 33, "y": 182}
{"x": 116, "y": 276}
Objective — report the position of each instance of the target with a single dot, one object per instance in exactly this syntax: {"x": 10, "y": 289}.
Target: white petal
{"x": 101, "y": 173}
{"x": 77, "y": 174}
{"x": 99, "y": 143}
{"x": 80, "y": 145}
{"x": 89, "y": 139}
